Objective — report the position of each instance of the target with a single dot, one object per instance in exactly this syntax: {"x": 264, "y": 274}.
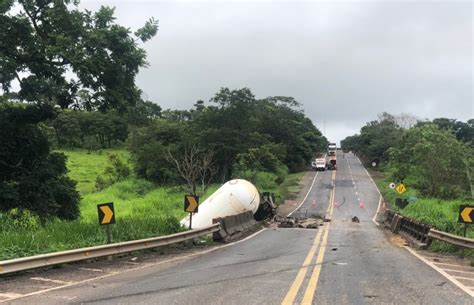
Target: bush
{"x": 115, "y": 171}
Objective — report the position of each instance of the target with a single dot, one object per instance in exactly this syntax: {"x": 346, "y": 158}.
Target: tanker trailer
{"x": 234, "y": 197}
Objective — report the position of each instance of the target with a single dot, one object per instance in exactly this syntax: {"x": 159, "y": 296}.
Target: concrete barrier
{"x": 233, "y": 226}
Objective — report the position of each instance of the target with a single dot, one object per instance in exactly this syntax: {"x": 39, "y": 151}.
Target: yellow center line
{"x": 309, "y": 294}
{"x": 290, "y": 296}
{"x": 313, "y": 281}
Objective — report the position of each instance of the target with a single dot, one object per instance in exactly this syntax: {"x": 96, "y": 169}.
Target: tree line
{"x": 243, "y": 134}
{"x": 436, "y": 157}
{"x": 68, "y": 80}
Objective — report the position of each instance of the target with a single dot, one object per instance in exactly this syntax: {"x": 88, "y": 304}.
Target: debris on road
{"x": 355, "y": 219}
{"x": 304, "y": 223}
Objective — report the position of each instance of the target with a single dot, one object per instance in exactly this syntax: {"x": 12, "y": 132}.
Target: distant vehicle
{"x": 332, "y": 149}
{"x": 332, "y": 163}
{"x": 319, "y": 164}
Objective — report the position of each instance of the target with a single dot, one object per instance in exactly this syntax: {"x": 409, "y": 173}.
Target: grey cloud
{"x": 344, "y": 61}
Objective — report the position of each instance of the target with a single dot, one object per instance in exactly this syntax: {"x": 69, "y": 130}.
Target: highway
{"x": 342, "y": 262}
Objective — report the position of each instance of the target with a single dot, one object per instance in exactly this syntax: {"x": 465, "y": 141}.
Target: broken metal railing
{"x": 422, "y": 232}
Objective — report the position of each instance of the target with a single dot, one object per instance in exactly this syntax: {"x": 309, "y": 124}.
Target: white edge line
{"x": 370, "y": 177}
{"x": 304, "y": 199}
{"x": 377, "y": 188}
{"x": 445, "y": 274}
{"x": 138, "y": 268}
{"x": 309, "y": 190}
{"x": 376, "y": 213}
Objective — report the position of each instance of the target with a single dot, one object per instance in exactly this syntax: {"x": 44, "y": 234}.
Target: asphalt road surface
{"x": 342, "y": 262}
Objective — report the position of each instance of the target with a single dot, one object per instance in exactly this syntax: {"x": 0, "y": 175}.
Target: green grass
{"x": 290, "y": 186}
{"x": 441, "y": 214}
{"x": 142, "y": 210}
{"x": 84, "y": 167}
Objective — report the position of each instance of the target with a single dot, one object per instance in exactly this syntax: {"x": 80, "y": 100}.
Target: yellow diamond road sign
{"x": 401, "y": 188}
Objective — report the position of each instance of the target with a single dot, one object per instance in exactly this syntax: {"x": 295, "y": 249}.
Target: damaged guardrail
{"x": 43, "y": 260}
{"x": 414, "y": 230}
{"x": 422, "y": 233}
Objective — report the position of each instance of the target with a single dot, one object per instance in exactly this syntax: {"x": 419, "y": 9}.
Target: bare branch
{"x": 194, "y": 166}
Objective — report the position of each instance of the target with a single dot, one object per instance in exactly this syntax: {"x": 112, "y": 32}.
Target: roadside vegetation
{"x": 84, "y": 167}
{"x": 434, "y": 159}
{"x": 143, "y": 209}
{"x": 76, "y": 132}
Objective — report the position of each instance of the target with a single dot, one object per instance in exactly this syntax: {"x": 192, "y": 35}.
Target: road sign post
{"x": 191, "y": 204}
{"x": 106, "y": 215}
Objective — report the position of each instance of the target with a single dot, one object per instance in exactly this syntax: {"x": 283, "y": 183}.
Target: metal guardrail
{"x": 452, "y": 239}
{"x": 43, "y": 260}
{"x": 423, "y": 232}
{"x": 415, "y": 229}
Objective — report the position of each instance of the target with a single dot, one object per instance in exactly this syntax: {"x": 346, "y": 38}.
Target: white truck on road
{"x": 319, "y": 164}
{"x": 332, "y": 149}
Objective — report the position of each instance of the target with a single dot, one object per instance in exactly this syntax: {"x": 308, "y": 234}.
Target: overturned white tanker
{"x": 234, "y": 197}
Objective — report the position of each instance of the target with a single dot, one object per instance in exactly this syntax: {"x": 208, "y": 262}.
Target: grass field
{"x": 84, "y": 167}
{"x": 142, "y": 210}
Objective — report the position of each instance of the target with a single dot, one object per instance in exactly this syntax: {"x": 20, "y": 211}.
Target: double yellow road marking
{"x": 313, "y": 280}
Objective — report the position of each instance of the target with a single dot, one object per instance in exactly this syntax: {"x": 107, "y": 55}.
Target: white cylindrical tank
{"x": 234, "y": 197}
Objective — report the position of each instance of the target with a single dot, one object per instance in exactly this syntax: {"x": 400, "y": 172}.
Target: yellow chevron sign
{"x": 466, "y": 214}
{"x": 106, "y": 213}
{"x": 191, "y": 203}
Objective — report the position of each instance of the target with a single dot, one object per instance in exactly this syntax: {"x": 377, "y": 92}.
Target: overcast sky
{"x": 345, "y": 61}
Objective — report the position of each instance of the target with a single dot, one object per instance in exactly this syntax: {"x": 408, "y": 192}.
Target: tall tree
{"x": 59, "y": 56}
{"x": 63, "y": 56}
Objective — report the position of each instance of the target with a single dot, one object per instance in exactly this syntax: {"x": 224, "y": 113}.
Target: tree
{"x": 195, "y": 166}
{"x": 59, "y": 56}
{"x": 149, "y": 147}
{"x": 31, "y": 177}
{"x": 240, "y": 122}
{"x": 464, "y": 131}
{"x": 261, "y": 159}
{"x": 143, "y": 113}
{"x": 375, "y": 138}
{"x": 62, "y": 56}
{"x": 433, "y": 160}
{"x": 82, "y": 129}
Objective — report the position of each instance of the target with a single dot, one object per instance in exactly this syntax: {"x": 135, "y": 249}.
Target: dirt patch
{"x": 290, "y": 205}
{"x": 397, "y": 240}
